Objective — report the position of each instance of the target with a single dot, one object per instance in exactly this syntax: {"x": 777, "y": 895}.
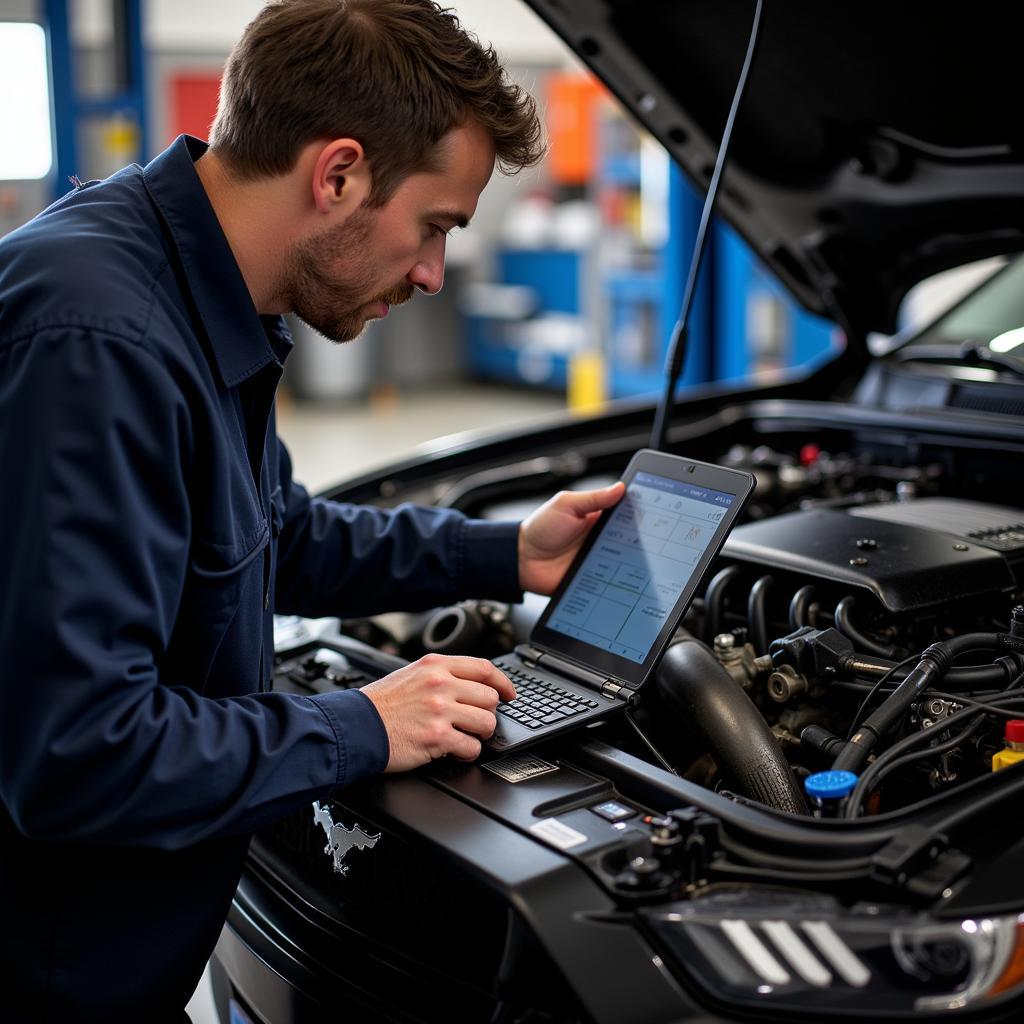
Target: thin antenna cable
{"x": 680, "y": 333}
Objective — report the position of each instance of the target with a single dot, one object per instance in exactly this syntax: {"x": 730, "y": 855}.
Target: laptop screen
{"x": 624, "y": 591}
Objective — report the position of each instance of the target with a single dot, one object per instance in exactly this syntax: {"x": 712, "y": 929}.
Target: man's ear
{"x": 341, "y": 177}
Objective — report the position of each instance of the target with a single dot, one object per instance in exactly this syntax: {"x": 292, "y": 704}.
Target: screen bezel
{"x": 736, "y": 482}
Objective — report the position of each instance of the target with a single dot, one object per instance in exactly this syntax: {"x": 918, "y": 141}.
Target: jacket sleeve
{"x": 339, "y": 559}
{"x": 95, "y": 443}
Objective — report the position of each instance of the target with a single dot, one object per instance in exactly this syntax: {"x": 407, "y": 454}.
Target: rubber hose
{"x": 757, "y": 613}
{"x": 691, "y": 680}
{"x": 967, "y": 677}
{"x": 844, "y": 623}
{"x": 456, "y": 628}
{"x": 800, "y": 607}
{"x": 714, "y": 598}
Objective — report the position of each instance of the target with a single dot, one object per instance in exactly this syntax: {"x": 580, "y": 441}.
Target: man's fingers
{"x": 465, "y": 747}
{"x": 477, "y": 721}
{"x": 583, "y": 502}
{"x": 478, "y": 695}
{"x": 477, "y": 669}
{"x": 438, "y": 705}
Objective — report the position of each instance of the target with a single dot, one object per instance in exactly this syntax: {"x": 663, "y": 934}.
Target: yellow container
{"x": 587, "y": 385}
{"x": 1014, "y": 750}
{"x": 1005, "y": 758}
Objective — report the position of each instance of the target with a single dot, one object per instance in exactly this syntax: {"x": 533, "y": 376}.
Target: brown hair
{"x": 394, "y": 74}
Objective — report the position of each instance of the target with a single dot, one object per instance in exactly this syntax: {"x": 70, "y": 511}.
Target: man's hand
{"x": 550, "y": 537}
{"x": 438, "y": 705}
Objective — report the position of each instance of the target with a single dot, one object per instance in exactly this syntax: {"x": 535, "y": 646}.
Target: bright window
{"x": 26, "y": 147}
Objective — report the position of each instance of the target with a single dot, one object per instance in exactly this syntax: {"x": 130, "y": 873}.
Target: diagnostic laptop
{"x": 602, "y": 633}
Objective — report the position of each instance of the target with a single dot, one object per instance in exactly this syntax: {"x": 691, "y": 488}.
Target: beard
{"x": 328, "y": 280}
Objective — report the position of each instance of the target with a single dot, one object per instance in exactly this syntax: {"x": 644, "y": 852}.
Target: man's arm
{"x": 339, "y": 559}
{"x": 95, "y": 453}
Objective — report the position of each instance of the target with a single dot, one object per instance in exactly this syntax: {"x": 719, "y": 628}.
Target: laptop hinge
{"x": 596, "y": 681}
{"x": 529, "y": 654}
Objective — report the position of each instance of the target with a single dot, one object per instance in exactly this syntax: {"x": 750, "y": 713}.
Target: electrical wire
{"x": 871, "y": 779}
{"x": 959, "y": 698}
{"x": 843, "y": 618}
{"x": 895, "y": 756}
{"x": 854, "y": 687}
{"x": 655, "y": 753}
{"x": 874, "y": 689}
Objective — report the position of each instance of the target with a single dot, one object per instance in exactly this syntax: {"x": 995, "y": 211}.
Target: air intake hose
{"x": 691, "y": 680}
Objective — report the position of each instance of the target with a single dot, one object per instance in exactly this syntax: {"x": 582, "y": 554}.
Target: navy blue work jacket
{"x": 149, "y": 528}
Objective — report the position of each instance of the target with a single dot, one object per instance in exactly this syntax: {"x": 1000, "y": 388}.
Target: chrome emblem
{"x": 340, "y": 839}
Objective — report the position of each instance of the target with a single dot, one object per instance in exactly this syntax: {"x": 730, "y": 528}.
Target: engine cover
{"x": 910, "y": 555}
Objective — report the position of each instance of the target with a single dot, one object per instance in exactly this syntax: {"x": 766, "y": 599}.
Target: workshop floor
{"x": 333, "y": 441}
{"x": 330, "y": 442}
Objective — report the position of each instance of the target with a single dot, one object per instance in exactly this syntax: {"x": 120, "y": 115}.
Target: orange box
{"x": 572, "y": 127}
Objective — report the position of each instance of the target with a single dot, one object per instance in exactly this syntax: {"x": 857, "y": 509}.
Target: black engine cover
{"x": 907, "y": 566}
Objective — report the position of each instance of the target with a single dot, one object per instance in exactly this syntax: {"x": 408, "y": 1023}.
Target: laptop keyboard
{"x": 539, "y": 701}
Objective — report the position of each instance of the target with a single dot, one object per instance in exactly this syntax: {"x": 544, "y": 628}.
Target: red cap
{"x": 809, "y": 454}
{"x": 1015, "y": 730}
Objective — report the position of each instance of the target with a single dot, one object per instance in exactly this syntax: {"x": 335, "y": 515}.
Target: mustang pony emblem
{"x": 340, "y": 839}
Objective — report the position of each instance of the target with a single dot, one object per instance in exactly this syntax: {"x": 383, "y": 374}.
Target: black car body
{"x": 667, "y": 872}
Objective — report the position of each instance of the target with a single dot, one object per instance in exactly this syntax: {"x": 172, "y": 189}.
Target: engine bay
{"x": 876, "y": 573}
{"x": 858, "y": 552}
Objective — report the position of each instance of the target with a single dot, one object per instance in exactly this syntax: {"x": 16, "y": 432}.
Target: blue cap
{"x": 829, "y": 785}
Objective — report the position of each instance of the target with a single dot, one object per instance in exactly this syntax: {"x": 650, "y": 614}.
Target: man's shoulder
{"x": 93, "y": 260}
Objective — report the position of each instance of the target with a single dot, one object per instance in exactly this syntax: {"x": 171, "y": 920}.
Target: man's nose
{"x": 428, "y": 273}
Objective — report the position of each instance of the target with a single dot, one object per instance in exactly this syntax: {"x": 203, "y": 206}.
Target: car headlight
{"x": 774, "y": 951}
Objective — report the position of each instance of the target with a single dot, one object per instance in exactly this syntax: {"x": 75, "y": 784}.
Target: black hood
{"x": 877, "y": 143}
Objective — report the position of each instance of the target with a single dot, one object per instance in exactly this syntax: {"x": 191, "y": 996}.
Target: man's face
{"x": 342, "y": 276}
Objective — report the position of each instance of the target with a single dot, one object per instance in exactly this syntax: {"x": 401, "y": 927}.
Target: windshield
{"x": 987, "y": 315}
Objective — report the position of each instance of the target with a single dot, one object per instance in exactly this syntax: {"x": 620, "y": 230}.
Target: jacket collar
{"x": 242, "y": 342}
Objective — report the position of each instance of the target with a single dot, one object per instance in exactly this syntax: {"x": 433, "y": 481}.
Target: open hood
{"x": 877, "y": 142}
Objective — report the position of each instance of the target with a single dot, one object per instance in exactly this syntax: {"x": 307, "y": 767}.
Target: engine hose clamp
{"x": 1011, "y": 664}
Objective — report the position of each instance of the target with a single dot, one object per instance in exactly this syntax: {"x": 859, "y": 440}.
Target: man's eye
{"x": 436, "y": 229}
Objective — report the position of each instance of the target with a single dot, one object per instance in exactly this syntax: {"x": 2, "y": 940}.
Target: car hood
{"x": 877, "y": 142}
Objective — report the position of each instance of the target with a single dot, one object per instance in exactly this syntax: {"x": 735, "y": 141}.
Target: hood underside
{"x": 877, "y": 143}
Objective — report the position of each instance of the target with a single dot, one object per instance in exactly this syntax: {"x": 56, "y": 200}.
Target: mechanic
{"x": 150, "y": 523}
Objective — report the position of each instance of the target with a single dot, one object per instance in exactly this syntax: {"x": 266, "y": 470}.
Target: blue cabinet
{"x": 643, "y": 302}
{"x": 617, "y": 298}
{"x": 758, "y": 325}
{"x": 535, "y": 349}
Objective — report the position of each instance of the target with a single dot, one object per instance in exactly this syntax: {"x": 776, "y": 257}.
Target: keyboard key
{"x": 555, "y": 716}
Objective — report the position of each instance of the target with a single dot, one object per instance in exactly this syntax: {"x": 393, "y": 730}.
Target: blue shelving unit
{"x": 554, "y": 277}
{"x": 70, "y": 108}
{"x": 645, "y": 303}
{"x": 640, "y": 303}
{"x": 553, "y": 274}
{"x": 757, "y": 323}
